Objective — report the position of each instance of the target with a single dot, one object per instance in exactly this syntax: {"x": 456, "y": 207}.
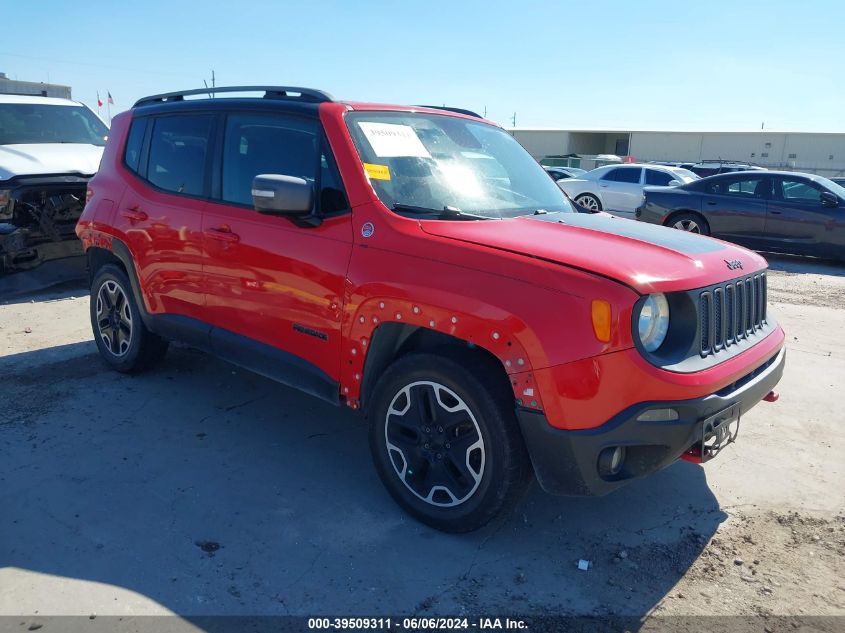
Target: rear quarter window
{"x": 178, "y": 149}
{"x": 134, "y": 144}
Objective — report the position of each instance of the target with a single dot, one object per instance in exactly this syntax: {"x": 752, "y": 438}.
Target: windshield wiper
{"x": 451, "y": 213}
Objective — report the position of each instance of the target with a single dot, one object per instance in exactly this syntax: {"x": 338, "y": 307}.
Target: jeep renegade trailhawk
{"x": 418, "y": 264}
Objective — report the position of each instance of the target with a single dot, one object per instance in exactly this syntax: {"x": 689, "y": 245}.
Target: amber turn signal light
{"x": 601, "y": 320}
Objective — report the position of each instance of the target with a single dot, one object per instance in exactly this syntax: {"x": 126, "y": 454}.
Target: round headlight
{"x": 654, "y": 321}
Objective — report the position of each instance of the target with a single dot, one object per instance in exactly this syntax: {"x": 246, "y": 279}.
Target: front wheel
{"x": 445, "y": 440}
{"x": 589, "y": 202}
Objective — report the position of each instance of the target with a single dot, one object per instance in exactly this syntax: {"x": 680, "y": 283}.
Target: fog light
{"x": 658, "y": 415}
{"x": 611, "y": 460}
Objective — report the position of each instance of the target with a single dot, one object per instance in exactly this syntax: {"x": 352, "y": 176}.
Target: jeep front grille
{"x": 731, "y": 312}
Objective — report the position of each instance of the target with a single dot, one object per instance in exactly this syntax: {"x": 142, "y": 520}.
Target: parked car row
{"x": 712, "y": 167}
{"x": 765, "y": 210}
{"x": 618, "y": 189}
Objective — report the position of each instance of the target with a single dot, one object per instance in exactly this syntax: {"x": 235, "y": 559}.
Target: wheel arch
{"x": 116, "y": 252}
{"x": 376, "y": 338}
{"x": 390, "y": 341}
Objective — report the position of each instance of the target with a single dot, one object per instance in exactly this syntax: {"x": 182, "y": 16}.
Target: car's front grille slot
{"x": 731, "y": 312}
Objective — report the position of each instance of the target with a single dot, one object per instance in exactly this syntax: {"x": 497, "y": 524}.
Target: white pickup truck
{"x": 49, "y": 149}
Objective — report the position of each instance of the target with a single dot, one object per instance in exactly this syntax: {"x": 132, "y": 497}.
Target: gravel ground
{"x": 199, "y": 488}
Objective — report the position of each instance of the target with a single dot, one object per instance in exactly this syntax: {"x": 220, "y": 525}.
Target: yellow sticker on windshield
{"x": 377, "y": 172}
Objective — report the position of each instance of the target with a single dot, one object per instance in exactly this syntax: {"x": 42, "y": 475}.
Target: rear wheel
{"x": 589, "y": 201}
{"x": 121, "y": 337}
{"x": 689, "y": 222}
{"x": 445, "y": 440}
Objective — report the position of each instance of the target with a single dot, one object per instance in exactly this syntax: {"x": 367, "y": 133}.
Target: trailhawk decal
{"x": 680, "y": 241}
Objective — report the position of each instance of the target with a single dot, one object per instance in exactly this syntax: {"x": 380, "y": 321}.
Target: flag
{"x": 99, "y": 101}
{"x": 111, "y": 101}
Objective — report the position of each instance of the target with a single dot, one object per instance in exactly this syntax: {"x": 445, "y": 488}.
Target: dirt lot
{"x": 199, "y": 488}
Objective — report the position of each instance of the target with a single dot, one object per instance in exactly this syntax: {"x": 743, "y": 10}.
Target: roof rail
{"x": 450, "y": 109}
{"x": 270, "y": 92}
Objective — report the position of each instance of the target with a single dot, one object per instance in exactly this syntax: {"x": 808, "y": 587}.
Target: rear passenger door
{"x": 160, "y": 213}
{"x": 274, "y": 285}
{"x": 735, "y": 208}
{"x": 621, "y": 190}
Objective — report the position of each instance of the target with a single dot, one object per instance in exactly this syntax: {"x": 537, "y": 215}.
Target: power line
{"x": 94, "y": 65}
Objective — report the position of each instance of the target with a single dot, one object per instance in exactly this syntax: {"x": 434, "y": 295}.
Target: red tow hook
{"x": 772, "y": 396}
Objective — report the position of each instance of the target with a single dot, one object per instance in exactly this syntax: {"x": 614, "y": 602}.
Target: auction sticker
{"x": 377, "y": 172}
{"x": 390, "y": 139}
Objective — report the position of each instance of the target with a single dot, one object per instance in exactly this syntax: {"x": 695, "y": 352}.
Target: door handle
{"x": 134, "y": 214}
{"x": 712, "y": 204}
{"x": 222, "y": 235}
{"x": 775, "y": 212}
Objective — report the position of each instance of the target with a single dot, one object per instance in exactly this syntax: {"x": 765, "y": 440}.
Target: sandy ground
{"x": 199, "y": 488}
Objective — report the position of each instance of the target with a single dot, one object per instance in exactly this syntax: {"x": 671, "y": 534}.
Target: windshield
{"x": 22, "y": 123}
{"x": 429, "y": 163}
{"x": 834, "y": 187}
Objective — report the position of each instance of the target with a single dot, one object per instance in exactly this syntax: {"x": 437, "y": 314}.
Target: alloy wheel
{"x": 434, "y": 443}
{"x": 114, "y": 318}
{"x": 691, "y": 226}
{"x": 588, "y": 202}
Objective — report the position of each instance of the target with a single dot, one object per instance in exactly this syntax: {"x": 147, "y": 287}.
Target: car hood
{"x": 646, "y": 257}
{"x": 49, "y": 158}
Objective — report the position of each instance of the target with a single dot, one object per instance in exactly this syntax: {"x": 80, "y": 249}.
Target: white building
{"x": 34, "y": 88}
{"x": 821, "y": 153}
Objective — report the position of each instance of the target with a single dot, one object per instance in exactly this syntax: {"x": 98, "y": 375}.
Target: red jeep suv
{"x": 416, "y": 263}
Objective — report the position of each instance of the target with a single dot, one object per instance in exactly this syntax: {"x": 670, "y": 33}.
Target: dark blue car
{"x": 776, "y": 211}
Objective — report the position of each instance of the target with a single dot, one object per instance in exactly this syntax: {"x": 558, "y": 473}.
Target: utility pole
{"x": 514, "y": 119}
{"x": 485, "y": 112}
{"x": 762, "y": 125}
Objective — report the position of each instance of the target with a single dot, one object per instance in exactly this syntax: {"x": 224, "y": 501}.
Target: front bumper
{"x": 566, "y": 461}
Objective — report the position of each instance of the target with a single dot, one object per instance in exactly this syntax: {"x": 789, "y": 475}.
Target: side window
{"x": 134, "y": 143}
{"x": 178, "y": 149}
{"x": 610, "y": 175}
{"x": 798, "y": 191}
{"x": 266, "y": 144}
{"x": 739, "y": 187}
{"x": 661, "y": 178}
{"x": 625, "y": 174}
{"x": 332, "y": 197}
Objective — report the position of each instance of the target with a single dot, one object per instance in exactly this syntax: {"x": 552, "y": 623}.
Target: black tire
{"x": 589, "y": 201}
{"x": 125, "y": 344}
{"x": 695, "y": 221}
{"x": 484, "y": 480}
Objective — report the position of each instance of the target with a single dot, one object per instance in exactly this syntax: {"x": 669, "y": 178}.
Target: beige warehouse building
{"x": 820, "y": 153}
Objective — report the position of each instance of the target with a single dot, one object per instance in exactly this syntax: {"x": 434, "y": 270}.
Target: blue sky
{"x": 642, "y": 64}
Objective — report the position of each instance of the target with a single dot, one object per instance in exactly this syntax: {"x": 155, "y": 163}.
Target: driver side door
{"x": 798, "y": 222}
{"x": 274, "y": 285}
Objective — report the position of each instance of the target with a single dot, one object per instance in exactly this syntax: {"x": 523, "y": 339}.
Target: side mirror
{"x": 282, "y": 195}
{"x": 674, "y": 183}
{"x": 829, "y": 199}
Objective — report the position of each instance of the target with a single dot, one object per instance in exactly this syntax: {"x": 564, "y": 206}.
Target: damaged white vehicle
{"x": 49, "y": 149}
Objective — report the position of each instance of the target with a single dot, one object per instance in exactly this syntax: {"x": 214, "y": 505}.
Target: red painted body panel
{"x": 588, "y": 392}
{"x": 275, "y": 275}
{"x": 640, "y": 265}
